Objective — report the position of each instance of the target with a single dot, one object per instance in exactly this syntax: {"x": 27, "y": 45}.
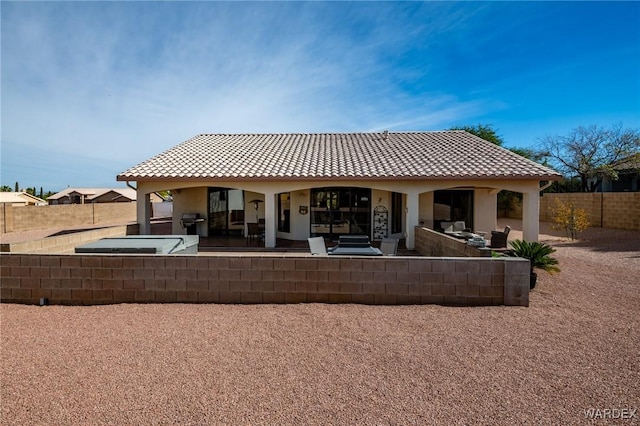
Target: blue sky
{"x": 91, "y": 89}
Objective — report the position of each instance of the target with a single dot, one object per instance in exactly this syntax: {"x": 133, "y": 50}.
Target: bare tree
{"x": 591, "y": 152}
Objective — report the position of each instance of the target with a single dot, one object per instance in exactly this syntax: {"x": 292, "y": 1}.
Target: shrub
{"x": 537, "y": 253}
{"x": 566, "y": 216}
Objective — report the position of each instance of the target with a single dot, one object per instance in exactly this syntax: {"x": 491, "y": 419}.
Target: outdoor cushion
{"x": 317, "y": 245}
{"x": 457, "y": 226}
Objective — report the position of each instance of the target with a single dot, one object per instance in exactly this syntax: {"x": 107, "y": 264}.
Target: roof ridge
{"x": 329, "y": 133}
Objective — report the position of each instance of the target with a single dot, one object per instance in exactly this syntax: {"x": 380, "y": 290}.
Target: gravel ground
{"x": 575, "y": 348}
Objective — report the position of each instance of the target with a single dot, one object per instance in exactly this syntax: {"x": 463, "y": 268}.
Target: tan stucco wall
{"x": 299, "y": 222}
{"x": 485, "y": 211}
{"x": 189, "y": 200}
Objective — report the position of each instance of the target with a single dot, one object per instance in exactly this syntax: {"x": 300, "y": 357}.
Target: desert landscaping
{"x": 574, "y": 349}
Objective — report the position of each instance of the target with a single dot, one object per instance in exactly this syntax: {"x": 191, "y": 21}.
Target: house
{"x": 97, "y": 195}
{"x": 628, "y": 172}
{"x": 332, "y": 184}
{"x": 21, "y": 199}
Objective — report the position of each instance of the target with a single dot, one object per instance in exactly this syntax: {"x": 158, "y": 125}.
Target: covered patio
{"x": 297, "y": 186}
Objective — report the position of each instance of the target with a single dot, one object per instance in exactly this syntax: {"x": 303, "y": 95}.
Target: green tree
{"x": 506, "y": 199}
{"x": 5, "y": 188}
{"x": 590, "y": 152}
{"x": 17, "y": 187}
{"x": 484, "y": 131}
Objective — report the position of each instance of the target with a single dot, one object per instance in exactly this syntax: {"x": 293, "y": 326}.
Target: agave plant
{"x": 537, "y": 253}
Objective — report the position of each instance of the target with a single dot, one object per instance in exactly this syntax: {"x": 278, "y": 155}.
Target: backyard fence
{"x": 31, "y": 218}
{"x": 614, "y": 210}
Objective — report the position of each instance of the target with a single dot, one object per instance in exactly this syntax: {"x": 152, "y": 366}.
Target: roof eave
{"x": 549, "y": 177}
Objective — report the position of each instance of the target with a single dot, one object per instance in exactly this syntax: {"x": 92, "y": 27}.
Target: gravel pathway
{"x": 575, "y": 348}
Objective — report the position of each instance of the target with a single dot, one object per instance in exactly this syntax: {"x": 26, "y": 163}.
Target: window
{"x": 452, "y": 206}
{"x": 226, "y": 211}
{"x": 284, "y": 212}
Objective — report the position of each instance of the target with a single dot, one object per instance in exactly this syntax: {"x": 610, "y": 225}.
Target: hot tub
{"x": 144, "y": 244}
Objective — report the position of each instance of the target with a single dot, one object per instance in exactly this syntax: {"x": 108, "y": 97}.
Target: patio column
{"x": 413, "y": 211}
{"x": 143, "y": 213}
{"x": 531, "y": 215}
{"x": 269, "y": 220}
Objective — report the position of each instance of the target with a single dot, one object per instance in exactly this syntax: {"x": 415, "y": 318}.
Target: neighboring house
{"x": 21, "y": 199}
{"x": 628, "y": 170}
{"x": 332, "y": 184}
{"x": 97, "y": 195}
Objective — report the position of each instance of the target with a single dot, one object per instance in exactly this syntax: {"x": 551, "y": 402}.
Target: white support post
{"x": 413, "y": 211}
{"x": 143, "y": 213}
{"x": 531, "y": 215}
{"x": 269, "y": 220}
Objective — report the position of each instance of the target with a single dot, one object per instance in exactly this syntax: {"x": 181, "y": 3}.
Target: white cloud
{"x": 113, "y": 81}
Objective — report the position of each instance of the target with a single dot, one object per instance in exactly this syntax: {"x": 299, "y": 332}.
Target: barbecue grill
{"x": 190, "y": 221}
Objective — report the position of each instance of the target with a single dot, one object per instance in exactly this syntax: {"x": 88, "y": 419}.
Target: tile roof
{"x": 413, "y": 155}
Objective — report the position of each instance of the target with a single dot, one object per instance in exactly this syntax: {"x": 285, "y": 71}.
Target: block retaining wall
{"x": 262, "y": 278}
{"x": 433, "y": 243}
{"x": 29, "y": 218}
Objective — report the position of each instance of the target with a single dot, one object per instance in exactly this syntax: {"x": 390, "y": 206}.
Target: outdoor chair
{"x": 254, "y": 232}
{"x": 317, "y": 246}
{"x": 499, "y": 238}
{"x": 389, "y": 246}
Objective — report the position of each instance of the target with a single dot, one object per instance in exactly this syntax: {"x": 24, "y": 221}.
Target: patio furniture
{"x": 389, "y": 246}
{"x": 254, "y": 232}
{"x": 453, "y": 227}
{"x": 317, "y": 246}
{"x": 499, "y": 238}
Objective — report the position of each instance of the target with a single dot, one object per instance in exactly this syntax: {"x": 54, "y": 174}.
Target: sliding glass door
{"x": 226, "y": 211}
{"x": 340, "y": 211}
{"x": 453, "y": 205}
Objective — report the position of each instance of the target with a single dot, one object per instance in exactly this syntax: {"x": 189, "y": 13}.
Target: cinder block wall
{"x": 6, "y": 217}
{"x": 262, "y": 278}
{"x": 29, "y": 218}
{"x": 615, "y": 210}
{"x": 432, "y": 243}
